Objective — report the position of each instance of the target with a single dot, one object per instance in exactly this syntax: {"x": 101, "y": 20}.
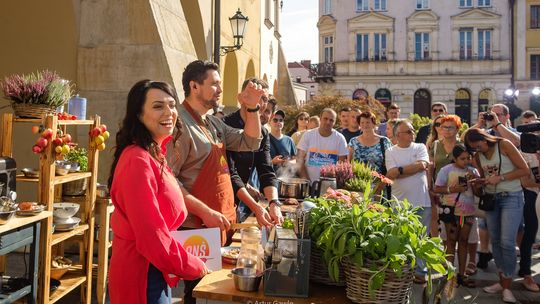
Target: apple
{"x": 66, "y": 139}
{"x": 35, "y": 129}
{"x": 101, "y": 147}
{"x": 57, "y": 141}
{"x": 48, "y": 134}
{"x": 95, "y": 132}
{"x": 58, "y": 149}
{"x": 65, "y": 149}
{"x": 106, "y": 135}
{"x": 37, "y": 149}
{"x": 99, "y": 140}
{"x": 42, "y": 142}
{"x": 103, "y": 128}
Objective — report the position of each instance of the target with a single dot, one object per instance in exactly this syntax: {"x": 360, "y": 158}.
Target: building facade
{"x": 302, "y": 75}
{"x": 415, "y": 52}
{"x": 527, "y": 53}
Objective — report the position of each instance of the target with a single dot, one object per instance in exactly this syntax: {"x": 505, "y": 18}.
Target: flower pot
{"x": 31, "y": 110}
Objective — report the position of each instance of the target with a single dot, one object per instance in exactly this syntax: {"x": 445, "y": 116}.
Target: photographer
{"x": 497, "y": 121}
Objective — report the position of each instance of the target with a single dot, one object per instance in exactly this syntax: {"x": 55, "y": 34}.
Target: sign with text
{"x": 203, "y": 243}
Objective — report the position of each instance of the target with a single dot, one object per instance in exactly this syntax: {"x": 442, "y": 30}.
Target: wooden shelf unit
{"x": 48, "y": 183}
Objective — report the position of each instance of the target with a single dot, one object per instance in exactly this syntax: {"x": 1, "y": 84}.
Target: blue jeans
{"x": 503, "y": 224}
{"x": 157, "y": 290}
{"x": 425, "y": 217}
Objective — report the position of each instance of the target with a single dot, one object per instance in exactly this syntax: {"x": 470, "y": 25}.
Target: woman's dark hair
{"x": 295, "y": 128}
{"x": 133, "y": 131}
{"x": 476, "y": 135}
{"x": 458, "y": 149}
{"x": 367, "y": 115}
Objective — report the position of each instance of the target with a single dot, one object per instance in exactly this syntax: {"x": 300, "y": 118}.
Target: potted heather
{"x": 36, "y": 94}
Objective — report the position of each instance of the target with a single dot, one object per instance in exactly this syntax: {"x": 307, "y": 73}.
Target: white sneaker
{"x": 508, "y": 297}
{"x": 495, "y": 288}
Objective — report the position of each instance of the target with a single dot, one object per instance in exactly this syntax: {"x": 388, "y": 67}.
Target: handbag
{"x": 488, "y": 200}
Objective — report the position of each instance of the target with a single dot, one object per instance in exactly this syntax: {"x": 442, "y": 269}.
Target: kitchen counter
{"x": 218, "y": 287}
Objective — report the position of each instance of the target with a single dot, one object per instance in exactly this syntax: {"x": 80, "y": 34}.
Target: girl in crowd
{"x": 369, "y": 147}
{"x": 300, "y": 125}
{"x": 148, "y": 201}
{"x": 455, "y": 182}
{"x": 501, "y": 167}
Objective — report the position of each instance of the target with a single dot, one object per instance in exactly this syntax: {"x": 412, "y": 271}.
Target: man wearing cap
{"x": 244, "y": 165}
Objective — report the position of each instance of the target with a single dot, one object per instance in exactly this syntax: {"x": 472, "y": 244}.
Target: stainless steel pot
{"x": 293, "y": 187}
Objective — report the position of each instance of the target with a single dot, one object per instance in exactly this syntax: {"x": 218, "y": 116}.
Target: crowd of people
{"x": 179, "y": 166}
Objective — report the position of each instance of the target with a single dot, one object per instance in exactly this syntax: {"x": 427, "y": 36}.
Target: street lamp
{"x": 536, "y": 91}
{"x": 510, "y": 95}
{"x": 238, "y": 25}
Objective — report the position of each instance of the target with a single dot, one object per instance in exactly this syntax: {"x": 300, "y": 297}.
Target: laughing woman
{"x": 146, "y": 261}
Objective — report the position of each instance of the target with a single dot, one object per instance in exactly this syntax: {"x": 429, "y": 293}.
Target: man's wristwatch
{"x": 275, "y": 201}
{"x": 256, "y": 109}
{"x": 400, "y": 170}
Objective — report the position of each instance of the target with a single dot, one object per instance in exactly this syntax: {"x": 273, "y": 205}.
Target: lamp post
{"x": 536, "y": 91}
{"x": 238, "y": 25}
{"x": 510, "y": 95}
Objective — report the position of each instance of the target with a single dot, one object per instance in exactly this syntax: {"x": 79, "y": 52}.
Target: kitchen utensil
{"x": 319, "y": 187}
{"x": 35, "y": 210}
{"x": 229, "y": 254}
{"x": 5, "y": 216}
{"x": 30, "y": 172}
{"x": 65, "y": 210}
{"x": 293, "y": 187}
{"x": 246, "y": 279}
{"x": 62, "y": 167}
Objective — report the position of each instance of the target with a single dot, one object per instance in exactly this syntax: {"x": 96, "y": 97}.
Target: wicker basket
{"x": 395, "y": 289}
{"x": 31, "y": 110}
{"x": 75, "y": 188}
{"x": 318, "y": 269}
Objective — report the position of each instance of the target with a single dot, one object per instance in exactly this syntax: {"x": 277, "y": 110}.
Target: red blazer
{"x": 148, "y": 205}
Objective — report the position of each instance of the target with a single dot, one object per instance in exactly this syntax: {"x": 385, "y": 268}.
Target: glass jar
{"x": 251, "y": 252}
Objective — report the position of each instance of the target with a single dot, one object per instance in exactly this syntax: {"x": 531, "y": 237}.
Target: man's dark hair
{"x": 196, "y": 71}
{"x": 255, "y": 80}
{"x": 393, "y": 106}
{"x": 528, "y": 114}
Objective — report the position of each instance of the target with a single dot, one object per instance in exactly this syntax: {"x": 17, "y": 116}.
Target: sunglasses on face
{"x": 277, "y": 120}
{"x": 303, "y": 118}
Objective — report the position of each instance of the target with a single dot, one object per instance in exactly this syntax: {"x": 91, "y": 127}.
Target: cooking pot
{"x": 293, "y": 187}
{"x": 319, "y": 187}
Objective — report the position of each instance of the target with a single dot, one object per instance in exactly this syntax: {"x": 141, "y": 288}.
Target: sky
{"x": 299, "y": 34}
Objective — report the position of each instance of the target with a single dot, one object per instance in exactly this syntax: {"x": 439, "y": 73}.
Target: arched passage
{"x": 422, "y": 103}
{"x": 230, "y": 81}
{"x": 250, "y": 69}
{"x": 463, "y": 105}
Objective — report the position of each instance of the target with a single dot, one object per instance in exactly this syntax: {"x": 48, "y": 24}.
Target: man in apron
{"x": 198, "y": 157}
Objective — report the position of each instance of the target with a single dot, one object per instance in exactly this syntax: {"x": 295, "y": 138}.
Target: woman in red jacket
{"x": 146, "y": 261}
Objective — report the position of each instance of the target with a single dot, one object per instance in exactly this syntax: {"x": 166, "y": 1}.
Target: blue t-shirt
{"x": 372, "y": 155}
{"x": 283, "y": 146}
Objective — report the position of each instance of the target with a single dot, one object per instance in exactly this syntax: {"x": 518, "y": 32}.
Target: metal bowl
{"x": 65, "y": 210}
{"x": 62, "y": 167}
{"x": 246, "y": 279}
{"x": 30, "y": 172}
{"x": 6, "y": 215}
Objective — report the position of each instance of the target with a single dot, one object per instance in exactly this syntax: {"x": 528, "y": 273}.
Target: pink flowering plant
{"x": 342, "y": 171}
{"x": 43, "y": 87}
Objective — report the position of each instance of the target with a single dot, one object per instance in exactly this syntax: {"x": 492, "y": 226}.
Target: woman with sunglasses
{"x": 300, "y": 125}
{"x": 501, "y": 167}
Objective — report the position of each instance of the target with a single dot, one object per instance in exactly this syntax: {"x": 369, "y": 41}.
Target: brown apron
{"x": 213, "y": 185}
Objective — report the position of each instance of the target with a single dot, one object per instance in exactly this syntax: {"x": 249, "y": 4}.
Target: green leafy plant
{"x": 387, "y": 236}
{"x": 419, "y": 121}
{"x": 78, "y": 155}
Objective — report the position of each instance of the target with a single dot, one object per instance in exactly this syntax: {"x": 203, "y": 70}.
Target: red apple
{"x": 73, "y": 117}
{"x": 35, "y": 129}
{"x": 66, "y": 138}
{"x": 103, "y": 128}
{"x": 37, "y": 149}
{"x": 95, "y": 132}
{"x": 48, "y": 133}
{"x": 57, "y": 141}
{"x": 42, "y": 142}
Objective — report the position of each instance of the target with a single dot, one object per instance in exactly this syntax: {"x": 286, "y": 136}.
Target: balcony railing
{"x": 324, "y": 71}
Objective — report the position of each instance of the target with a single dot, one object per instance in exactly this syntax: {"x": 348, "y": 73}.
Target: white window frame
{"x": 484, "y": 3}
{"x": 465, "y": 3}
{"x": 327, "y": 8}
{"x": 328, "y": 48}
{"x": 484, "y": 45}
{"x": 425, "y": 52}
{"x": 422, "y": 4}
{"x": 363, "y": 53}
{"x": 380, "y": 45}
{"x": 467, "y": 55}
{"x": 379, "y": 5}
{"x": 362, "y": 5}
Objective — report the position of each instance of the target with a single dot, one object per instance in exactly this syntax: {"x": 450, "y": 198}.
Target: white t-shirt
{"x": 321, "y": 150}
{"x": 414, "y": 188}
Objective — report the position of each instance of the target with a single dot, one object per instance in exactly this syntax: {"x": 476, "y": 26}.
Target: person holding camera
{"x": 501, "y": 167}
{"x": 455, "y": 182}
{"x": 497, "y": 121}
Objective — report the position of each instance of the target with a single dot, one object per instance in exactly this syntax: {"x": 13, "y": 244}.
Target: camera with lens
{"x": 488, "y": 116}
{"x": 529, "y": 141}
